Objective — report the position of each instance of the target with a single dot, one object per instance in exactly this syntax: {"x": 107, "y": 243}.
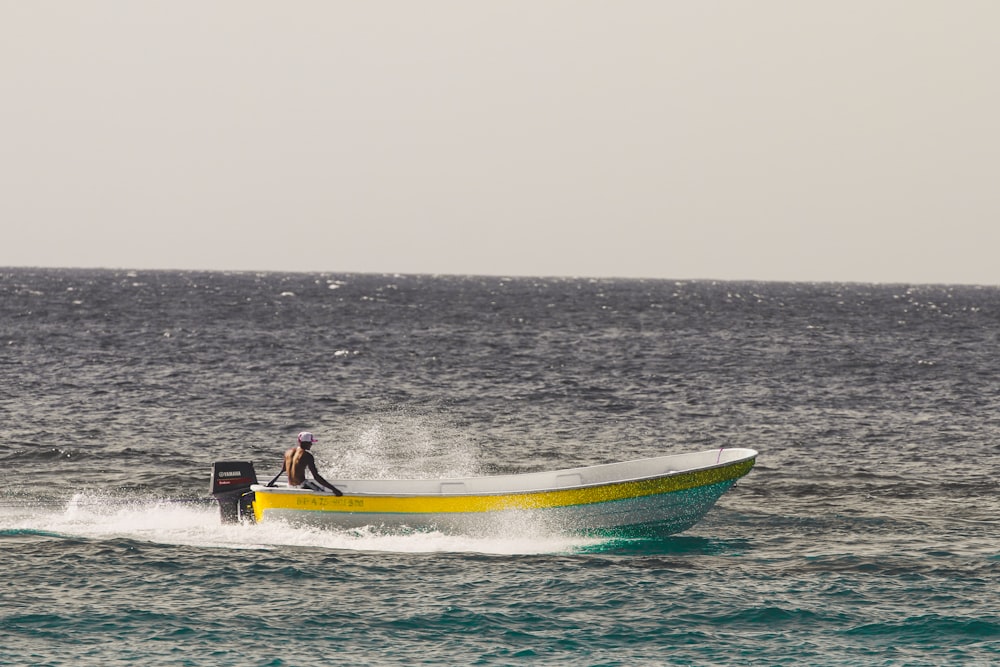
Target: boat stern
{"x": 231, "y": 482}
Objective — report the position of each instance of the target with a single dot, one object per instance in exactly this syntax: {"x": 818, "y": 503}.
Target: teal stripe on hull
{"x": 658, "y": 515}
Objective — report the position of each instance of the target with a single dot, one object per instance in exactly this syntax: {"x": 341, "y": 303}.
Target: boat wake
{"x": 196, "y": 524}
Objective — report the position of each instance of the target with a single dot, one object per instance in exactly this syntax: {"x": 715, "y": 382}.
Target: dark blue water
{"x": 867, "y": 533}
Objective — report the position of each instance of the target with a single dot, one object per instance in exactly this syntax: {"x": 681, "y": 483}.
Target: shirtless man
{"x": 298, "y": 459}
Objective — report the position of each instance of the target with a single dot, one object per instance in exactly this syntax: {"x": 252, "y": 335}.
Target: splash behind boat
{"x": 662, "y": 495}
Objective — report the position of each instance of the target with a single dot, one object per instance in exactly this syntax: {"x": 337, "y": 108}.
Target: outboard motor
{"x": 231, "y": 482}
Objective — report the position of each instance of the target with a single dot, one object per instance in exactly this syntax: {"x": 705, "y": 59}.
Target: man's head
{"x": 306, "y": 439}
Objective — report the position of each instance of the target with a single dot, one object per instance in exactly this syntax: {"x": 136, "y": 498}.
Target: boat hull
{"x": 598, "y": 499}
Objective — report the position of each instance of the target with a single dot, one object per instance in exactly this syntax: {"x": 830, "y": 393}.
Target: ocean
{"x": 867, "y": 533}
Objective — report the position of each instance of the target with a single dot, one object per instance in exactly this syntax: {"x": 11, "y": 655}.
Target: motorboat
{"x": 661, "y": 496}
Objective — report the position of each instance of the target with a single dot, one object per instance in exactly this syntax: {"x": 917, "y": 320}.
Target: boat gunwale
{"x": 259, "y": 488}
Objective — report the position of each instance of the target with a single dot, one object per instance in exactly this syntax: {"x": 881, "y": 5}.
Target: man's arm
{"x": 319, "y": 478}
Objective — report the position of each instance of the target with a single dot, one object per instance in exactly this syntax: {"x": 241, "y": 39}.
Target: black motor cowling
{"x": 231, "y": 481}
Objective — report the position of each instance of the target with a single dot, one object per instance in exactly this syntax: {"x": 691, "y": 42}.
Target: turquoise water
{"x": 170, "y": 586}
{"x": 866, "y": 534}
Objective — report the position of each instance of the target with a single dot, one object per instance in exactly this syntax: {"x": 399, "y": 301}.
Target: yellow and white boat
{"x": 661, "y": 495}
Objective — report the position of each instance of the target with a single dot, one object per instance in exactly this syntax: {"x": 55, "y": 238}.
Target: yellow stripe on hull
{"x": 307, "y": 501}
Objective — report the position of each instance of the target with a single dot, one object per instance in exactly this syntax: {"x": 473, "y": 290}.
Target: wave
{"x": 28, "y": 532}
{"x": 932, "y": 629}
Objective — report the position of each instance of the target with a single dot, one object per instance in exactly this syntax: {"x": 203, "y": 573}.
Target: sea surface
{"x": 867, "y": 534}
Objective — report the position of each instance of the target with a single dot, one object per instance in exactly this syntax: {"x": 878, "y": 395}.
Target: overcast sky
{"x": 697, "y": 139}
